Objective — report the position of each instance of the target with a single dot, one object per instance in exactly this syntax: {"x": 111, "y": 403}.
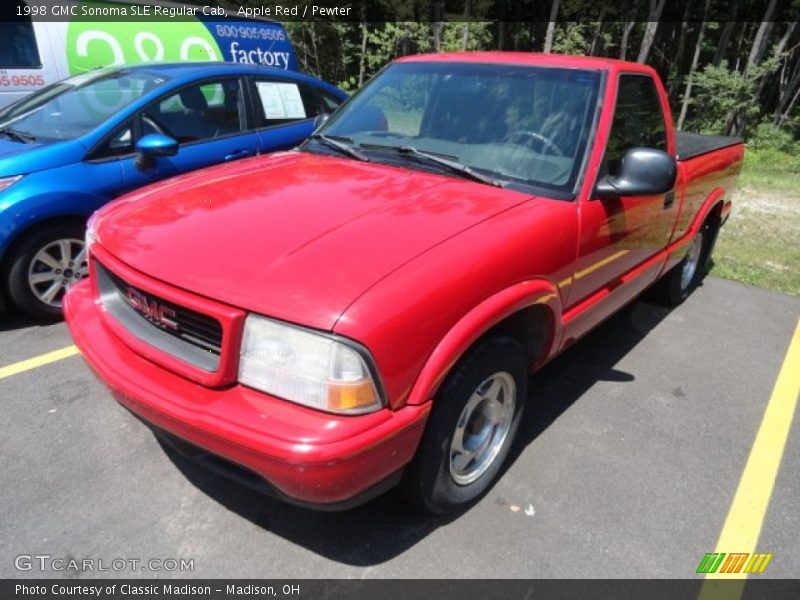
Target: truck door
{"x": 620, "y": 235}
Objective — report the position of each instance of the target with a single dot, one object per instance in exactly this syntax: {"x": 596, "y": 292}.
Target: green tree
{"x": 721, "y": 91}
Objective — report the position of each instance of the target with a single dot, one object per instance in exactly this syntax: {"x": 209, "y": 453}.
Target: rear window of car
{"x": 18, "y": 49}
{"x": 280, "y": 102}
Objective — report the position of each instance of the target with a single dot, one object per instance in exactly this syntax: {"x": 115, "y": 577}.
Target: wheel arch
{"x": 35, "y": 226}
{"x": 529, "y": 311}
{"x": 714, "y": 206}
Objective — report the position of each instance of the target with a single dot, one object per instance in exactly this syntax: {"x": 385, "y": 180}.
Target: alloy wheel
{"x": 55, "y": 268}
{"x": 692, "y": 262}
{"x": 482, "y": 428}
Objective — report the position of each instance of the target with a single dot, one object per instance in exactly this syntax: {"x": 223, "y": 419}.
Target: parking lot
{"x": 628, "y": 463}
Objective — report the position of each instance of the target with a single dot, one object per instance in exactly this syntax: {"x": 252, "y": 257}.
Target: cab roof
{"x": 529, "y": 58}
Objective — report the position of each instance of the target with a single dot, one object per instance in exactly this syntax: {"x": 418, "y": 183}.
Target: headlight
{"x": 306, "y": 367}
{"x": 7, "y": 182}
{"x": 90, "y": 237}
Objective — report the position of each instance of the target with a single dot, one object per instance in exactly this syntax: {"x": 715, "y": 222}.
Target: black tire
{"x": 674, "y": 288}
{"x": 428, "y": 481}
{"x": 19, "y": 264}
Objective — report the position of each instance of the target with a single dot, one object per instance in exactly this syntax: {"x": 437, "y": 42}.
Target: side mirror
{"x": 156, "y": 144}
{"x": 321, "y": 119}
{"x": 642, "y": 172}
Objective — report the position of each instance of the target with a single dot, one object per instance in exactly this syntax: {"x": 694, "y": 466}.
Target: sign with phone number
{"x": 21, "y": 80}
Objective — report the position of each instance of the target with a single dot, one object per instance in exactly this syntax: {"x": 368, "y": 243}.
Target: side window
{"x": 18, "y": 49}
{"x": 119, "y": 144}
{"x": 638, "y": 119}
{"x": 199, "y": 112}
{"x": 281, "y": 102}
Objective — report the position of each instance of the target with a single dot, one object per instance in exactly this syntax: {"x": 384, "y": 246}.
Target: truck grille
{"x": 189, "y": 335}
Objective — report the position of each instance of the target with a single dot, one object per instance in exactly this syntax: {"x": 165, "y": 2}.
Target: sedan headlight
{"x": 7, "y": 182}
{"x": 308, "y": 368}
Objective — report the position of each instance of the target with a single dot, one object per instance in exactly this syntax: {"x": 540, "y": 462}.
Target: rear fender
{"x": 715, "y": 198}
{"x": 678, "y": 249}
{"x": 480, "y": 320}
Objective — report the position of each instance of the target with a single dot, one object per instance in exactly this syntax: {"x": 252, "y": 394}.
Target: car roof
{"x": 191, "y": 68}
{"x": 179, "y": 73}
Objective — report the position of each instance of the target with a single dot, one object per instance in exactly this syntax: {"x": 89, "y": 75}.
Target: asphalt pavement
{"x": 630, "y": 456}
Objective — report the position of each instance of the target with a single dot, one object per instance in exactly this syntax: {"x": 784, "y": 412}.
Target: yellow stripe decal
{"x": 37, "y": 361}
{"x": 593, "y": 267}
{"x": 599, "y": 264}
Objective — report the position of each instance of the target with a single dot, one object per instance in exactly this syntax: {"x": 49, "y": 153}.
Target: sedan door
{"x": 208, "y": 120}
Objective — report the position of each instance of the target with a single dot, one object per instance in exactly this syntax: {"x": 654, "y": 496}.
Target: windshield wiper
{"x": 342, "y": 147}
{"x": 454, "y": 166}
{"x": 17, "y": 135}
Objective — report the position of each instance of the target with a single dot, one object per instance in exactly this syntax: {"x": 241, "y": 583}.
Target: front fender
{"x": 478, "y": 321}
{"x": 21, "y": 213}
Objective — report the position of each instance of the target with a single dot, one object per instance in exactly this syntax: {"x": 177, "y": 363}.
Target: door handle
{"x": 239, "y": 154}
{"x": 669, "y": 199}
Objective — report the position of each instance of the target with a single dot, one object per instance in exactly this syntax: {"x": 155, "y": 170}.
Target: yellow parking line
{"x": 37, "y": 361}
{"x": 745, "y": 518}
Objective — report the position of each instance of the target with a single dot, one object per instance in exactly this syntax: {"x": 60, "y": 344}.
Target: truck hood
{"x": 295, "y": 236}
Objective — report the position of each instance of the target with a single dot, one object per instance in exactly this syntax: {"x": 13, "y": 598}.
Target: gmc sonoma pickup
{"x": 365, "y": 310}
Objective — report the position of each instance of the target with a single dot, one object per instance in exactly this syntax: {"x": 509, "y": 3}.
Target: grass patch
{"x": 760, "y": 243}
{"x": 770, "y": 169}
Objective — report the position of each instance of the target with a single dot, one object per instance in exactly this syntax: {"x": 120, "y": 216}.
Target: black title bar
{"x": 396, "y": 589}
{"x": 530, "y": 11}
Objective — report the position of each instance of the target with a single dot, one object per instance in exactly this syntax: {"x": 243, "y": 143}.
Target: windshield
{"x": 77, "y": 105}
{"x": 518, "y": 124}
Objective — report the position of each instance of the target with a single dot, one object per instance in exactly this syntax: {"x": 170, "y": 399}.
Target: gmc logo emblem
{"x": 151, "y": 310}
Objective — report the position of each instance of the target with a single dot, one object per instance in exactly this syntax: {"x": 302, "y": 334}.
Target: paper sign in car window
{"x": 281, "y": 100}
{"x": 292, "y": 102}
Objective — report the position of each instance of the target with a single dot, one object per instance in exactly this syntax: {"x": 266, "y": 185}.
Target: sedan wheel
{"x": 43, "y": 266}
{"x": 55, "y": 268}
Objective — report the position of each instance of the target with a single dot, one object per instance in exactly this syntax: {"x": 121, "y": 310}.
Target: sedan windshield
{"x": 514, "y": 124}
{"x": 77, "y": 105}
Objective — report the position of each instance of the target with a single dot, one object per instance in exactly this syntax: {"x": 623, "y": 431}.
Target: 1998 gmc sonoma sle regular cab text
{"x": 364, "y": 310}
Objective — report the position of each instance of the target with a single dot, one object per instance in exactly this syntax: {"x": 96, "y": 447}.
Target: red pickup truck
{"x": 365, "y": 310}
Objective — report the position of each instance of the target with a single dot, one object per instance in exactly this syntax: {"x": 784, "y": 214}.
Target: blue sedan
{"x": 73, "y": 146}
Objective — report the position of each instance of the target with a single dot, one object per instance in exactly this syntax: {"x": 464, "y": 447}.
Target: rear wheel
{"x": 43, "y": 266}
{"x": 475, "y": 417}
{"x": 691, "y": 264}
{"x": 676, "y": 285}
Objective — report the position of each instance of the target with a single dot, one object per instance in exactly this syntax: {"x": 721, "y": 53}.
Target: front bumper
{"x": 305, "y": 456}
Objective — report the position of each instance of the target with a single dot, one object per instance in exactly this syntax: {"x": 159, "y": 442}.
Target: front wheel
{"x": 473, "y": 423}
{"x": 43, "y": 266}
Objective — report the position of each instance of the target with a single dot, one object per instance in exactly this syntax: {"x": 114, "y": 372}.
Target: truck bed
{"x": 690, "y": 145}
